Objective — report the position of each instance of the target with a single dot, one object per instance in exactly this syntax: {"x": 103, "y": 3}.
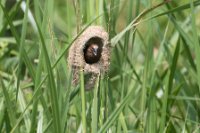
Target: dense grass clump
{"x": 153, "y": 83}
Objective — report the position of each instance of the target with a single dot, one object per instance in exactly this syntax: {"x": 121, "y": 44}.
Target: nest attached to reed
{"x": 90, "y": 52}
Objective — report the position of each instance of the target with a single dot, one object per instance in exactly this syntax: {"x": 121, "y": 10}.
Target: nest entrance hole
{"x": 92, "y": 50}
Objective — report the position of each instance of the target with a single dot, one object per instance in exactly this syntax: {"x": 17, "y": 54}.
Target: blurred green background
{"x": 153, "y": 84}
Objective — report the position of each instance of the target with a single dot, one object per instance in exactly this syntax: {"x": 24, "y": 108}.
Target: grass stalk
{"x": 95, "y": 107}
{"x": 196, "y": 42}
{"x": 83, "y": 102}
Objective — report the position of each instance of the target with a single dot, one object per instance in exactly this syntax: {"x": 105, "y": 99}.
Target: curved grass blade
{"x": 196, "y": 42}
{"x": 51, "y": 81}
{"x": 8, "y": 103}
{"x": 21, "y": 46}
{"x": 169, "y": 87}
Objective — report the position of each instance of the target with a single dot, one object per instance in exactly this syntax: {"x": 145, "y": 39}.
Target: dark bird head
{"x": 92, "y": 51}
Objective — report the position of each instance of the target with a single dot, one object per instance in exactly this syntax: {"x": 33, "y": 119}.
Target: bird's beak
{"x": 95, "y": 50}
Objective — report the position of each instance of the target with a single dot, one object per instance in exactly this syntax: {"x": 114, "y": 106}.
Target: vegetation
{"x": 153, "y": 84}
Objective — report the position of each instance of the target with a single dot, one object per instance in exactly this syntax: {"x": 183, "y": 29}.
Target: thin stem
{"x": 95, "y": 107}
{"x": 83, "y": 101}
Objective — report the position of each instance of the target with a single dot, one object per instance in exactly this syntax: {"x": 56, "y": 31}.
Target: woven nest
{"x": 90, "y": 52}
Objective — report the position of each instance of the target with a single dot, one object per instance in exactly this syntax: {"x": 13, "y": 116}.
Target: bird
{"x": 92, "y": 53}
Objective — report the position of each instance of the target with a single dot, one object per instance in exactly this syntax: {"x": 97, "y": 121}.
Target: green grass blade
{"x": 111, "y": 119}
{"x": 40, "y": 123}
{"x": 123, "y": 122}
{"x": 12, "y": 13}
{"x": 95, "y": 107}
{"x": 51, "y": 81}
{"x": 8, "y": 104}
{"x": 2, "y": 109}
{"x": 196, "y": 42}
{"x": 132, "y": 24}
{"x": 37, "y": 93}
{"x": 83, "y": 102}
{"x": 22, "y": 107}
{"x": 180, "y": 8}
{"x": 169, "y": 88}
{"x": 21, "y": 46}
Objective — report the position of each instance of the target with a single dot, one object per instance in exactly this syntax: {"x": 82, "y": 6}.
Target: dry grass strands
{"x": 90, "y": 52}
